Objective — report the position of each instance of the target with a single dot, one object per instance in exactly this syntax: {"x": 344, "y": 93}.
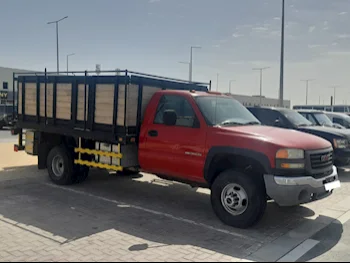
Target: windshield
{"x": 323, "y": 119}
{"x": 225, "y": 111}
{"x": 296, "y": 118}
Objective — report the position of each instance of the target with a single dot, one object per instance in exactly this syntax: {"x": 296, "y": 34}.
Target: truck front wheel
{"x": 238, "y": 199}
{"x": 60, "y": 166}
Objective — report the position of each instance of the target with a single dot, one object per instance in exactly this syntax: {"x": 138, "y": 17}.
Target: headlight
{"x": 340, "y": 143}
{"x": 290, "y": 159}
{"x": 290, "y": 154}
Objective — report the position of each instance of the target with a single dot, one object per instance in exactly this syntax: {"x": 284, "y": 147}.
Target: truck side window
{"x": 184, "y": 111}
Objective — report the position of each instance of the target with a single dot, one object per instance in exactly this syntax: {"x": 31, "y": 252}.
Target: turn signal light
{"x": 282, "y": 154}
{"x": 292, "y": 165}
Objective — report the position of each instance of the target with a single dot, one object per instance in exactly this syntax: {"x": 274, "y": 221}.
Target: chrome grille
{"x": 321, "y": 160}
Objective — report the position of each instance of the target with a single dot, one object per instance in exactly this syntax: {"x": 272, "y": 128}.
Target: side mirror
{"x": 278, "y": 123}
{"x": 169, "y": 117}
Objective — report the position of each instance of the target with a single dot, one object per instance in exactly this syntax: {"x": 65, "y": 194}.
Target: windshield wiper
{"x": 252, "y": 123}
{"x": 305, "y": 125}
{"x": 226, "y": 123}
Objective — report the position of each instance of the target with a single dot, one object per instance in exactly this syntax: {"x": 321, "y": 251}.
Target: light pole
{"x": 282, "y": 57}
{"x": 261, "y": 79}
{"x": 335, "y": 88}
{"x": 307, "y": 87}
{"x": 191, "y": 60}
{"x": 56, "y": 22}
{"x": 217, "y": 82}
{"x": 69, "y": 55}
{"x": 232, "y": 80}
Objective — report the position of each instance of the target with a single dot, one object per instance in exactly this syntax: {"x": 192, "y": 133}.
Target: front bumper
{"x": 291, "y": 191}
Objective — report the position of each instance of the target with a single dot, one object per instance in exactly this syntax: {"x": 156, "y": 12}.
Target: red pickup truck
{"x": 193, "y": 136}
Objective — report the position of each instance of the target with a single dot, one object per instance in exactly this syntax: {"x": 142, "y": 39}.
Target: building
{"x": 6, "y": 84}
{"x": 250, "y": 101}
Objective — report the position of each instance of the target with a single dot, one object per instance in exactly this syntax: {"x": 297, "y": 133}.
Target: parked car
{"x": 178, "y": 131}
{"x": 339, "y": 119}
{"x": 319, "y": 118}
{"x": 291, "y": 119}
{"x": 6, "y": 116}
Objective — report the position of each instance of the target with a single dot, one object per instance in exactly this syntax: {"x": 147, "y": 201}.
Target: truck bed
{"x": 106, "y": 108}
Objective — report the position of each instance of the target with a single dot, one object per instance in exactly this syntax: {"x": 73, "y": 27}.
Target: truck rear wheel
{"x": 62, "y": 170}
{"x": 81, "y": 173}
{"x": 237, "y": 199}
{"x": 60, "y": 166}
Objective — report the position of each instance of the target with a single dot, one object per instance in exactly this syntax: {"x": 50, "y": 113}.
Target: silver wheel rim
{"x": 58, "y": 166}
{"x": 234, "y": 199}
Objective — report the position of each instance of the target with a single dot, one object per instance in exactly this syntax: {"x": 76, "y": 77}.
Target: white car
{"x": 340, "y": 119}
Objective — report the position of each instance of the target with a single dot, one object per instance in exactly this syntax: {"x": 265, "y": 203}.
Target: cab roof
{"x": 193, "y": 93}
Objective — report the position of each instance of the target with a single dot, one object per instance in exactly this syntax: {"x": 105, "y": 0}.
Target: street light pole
{"x": 282, "y": 57}
{"x": 232, "y": 80}
{"x": 217, "y": 82}
{"x": 56, "y": 22}
{"x": 191, "y": 61}
{"x": 261, "y": 79}
{"x": 307, "y": 87}
{"x": 69, "y": 55}
{"x": 335, "y": 88}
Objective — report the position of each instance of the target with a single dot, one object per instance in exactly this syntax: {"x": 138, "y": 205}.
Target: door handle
{"x": 153, "y": 133}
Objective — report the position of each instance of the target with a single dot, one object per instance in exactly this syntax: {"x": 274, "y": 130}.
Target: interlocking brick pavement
{"x": 111, "y": 218}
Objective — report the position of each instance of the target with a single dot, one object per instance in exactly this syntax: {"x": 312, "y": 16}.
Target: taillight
{"x": 16, "y": 148}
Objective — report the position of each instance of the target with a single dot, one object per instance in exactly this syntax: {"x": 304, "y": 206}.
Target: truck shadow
{"x": 158, "y": 213}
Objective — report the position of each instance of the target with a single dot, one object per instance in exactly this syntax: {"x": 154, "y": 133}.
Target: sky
{"x": 153, "y": 36}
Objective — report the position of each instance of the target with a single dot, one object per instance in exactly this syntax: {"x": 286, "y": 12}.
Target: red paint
{"x": 166, "y": 153}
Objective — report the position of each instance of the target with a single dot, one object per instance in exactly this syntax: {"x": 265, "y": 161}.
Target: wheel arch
{"x": 222, "y": 158}
{"x": 47, "y": 141}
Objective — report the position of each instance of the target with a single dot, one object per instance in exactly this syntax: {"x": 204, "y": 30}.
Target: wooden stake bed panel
{"x": 94, "y": 107}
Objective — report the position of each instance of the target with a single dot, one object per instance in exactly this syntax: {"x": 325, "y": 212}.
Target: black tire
{"x": 81, "y": 173}
{"x": 60, "y": 166}
{"x": 254, "y": 190}
{"x": 129, "y": 172}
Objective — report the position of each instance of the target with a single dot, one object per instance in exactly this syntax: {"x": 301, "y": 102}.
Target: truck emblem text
{"x": 325, "y": 158}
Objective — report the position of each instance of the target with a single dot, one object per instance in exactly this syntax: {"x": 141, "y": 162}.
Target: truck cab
{"x": 211, "y": 140}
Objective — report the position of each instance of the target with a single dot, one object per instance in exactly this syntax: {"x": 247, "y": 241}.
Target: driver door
{"x": 178, "y": 150}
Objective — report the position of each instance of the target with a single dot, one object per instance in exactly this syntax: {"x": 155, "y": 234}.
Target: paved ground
{"x": 5, "y": 136}
{"x": 328, "y": 240}
{"x": 115, "y": 218}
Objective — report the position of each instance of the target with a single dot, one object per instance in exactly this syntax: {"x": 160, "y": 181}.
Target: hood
{"x": 282, "y": 137}
{"x": 321, "y": 130}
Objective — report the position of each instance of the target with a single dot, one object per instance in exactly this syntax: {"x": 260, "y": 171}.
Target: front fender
{"x": 261, "y": 158}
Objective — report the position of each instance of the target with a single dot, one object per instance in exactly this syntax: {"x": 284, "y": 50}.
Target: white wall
{"x": 6, "y": 75}
{"x": 255, "y": 101}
